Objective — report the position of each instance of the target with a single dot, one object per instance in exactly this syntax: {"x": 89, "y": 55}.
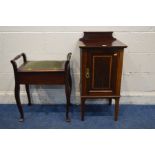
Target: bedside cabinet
{"x": 101, "y": 68}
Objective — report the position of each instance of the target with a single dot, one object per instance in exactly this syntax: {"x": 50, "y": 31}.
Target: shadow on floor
{"x": 96, "y": 117}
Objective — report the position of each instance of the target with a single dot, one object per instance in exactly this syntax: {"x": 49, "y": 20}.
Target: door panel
{"x": 103, "y": 71}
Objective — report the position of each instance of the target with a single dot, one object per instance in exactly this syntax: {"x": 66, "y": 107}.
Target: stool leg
{"x": 70, "y": 86}
{"x": 17, "y": 97}
{"x": 82, "y": 108}
{"x": 67, "y": 91}
{"x": 28, "y": 94}
{"x": 116, "y": 109}
{"x": 70, "y": 82}
{"x": 110, "y": 101}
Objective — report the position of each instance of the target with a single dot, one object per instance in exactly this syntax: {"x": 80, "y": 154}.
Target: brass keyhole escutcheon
{"x": 87, "y": 73}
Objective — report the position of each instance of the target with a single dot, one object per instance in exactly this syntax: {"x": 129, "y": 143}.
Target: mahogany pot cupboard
{"x": 101, "y": 68}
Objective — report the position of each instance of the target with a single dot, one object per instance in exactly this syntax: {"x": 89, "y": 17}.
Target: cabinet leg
{"x": 110, "y": 101}
{"x": 82, "y": 109}
{"x": 17, "y": 97}
{"x": 28, "y": 94}
{"x": 116, "y": 109}
{"x": 67, "y": 91}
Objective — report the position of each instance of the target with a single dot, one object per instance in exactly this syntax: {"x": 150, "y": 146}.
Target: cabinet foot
{"x": 82, "y": 109}
{"x": 21, "y": 120}
{"x": 110, "y": 101}
{"x": 68, "y": 120}
{"x": 116, "y": 109}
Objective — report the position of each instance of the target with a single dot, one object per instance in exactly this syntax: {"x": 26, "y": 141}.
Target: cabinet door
{"x": 101, "y": 72}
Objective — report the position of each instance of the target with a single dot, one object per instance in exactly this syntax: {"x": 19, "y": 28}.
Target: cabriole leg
{"x": 28, "y": 94}
{"x": 17, "y": 97}
{"x": 67, "y": 91}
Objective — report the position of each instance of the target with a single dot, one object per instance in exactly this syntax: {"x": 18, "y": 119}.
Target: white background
{"x": 84, "y": 13}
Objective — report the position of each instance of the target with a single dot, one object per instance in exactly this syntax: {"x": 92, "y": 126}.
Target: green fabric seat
{"x": 42, "y": 66}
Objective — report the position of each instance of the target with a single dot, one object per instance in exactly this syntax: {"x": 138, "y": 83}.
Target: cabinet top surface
{"x": 100, "y": 39}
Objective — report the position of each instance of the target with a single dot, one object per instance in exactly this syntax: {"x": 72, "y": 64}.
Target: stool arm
{"x": 69, "y": 56}
{"x": 13, "y": 61}
{"x": 68, "y": 79}
{"x": 20, "y": 55}
{"x": 67, "y": 63}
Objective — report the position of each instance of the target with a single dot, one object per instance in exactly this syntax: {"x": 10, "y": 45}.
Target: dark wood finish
{"x": 110, "y": 101}
{"x": 101, "y": 68}
{"x": 100, "y": 40}
{"x": 82, "y": 108}
{"x": 116, "y": 109}
{"x": 42, "y": 72}
{"x": 28, "y": 94}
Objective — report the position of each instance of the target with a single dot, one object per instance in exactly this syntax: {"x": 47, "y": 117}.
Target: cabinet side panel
{"x": 83, "y": 53}
{"x": 119, "y": 71}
